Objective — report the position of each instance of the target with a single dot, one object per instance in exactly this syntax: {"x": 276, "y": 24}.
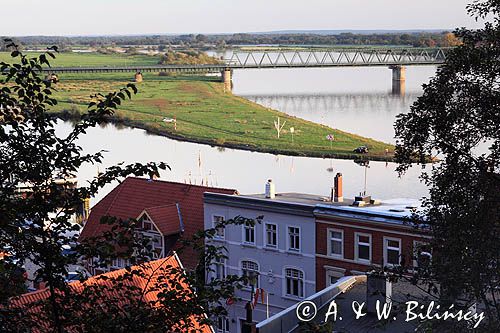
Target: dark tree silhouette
{"x": 458, "y": 120}
{"x": 36, "y": 225}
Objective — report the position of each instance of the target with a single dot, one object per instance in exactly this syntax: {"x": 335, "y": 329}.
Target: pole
{"x": 366, "y": 169}
{"x": 267, "y": 305}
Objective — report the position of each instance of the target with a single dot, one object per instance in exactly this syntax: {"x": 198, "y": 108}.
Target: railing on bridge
{"x": 337, "y": 57}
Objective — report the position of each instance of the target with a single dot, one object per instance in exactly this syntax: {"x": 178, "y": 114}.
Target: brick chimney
{"x": 337, "y": 188}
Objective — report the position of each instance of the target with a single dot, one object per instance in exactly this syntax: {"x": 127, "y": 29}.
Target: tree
{"x": 457, "y": 119}
{"x": 450, "y": 40}
{"x": 37, "y": 225}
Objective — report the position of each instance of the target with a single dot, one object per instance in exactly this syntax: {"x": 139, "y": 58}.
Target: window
{"x": 249, "y": 233}
{"x": 294, "y": 282}
{"x": 220, "y": 269}
{"x": 147, "y": 225}
{"x": 271, "y": 235}
{"x": 293, "y": 239}
{"x": 222, "y": 325}
{"x": 336, "y": 243}
{"x": 332, "y": 279}
{"x": 392, "y": 251}
{"x": 333, "y": 274}
{"x": 363, "y": 247}
{"x": 250, "y": 270}
{"x": 217, "y": 220}
{"x": 119, "y": 263}
{"x": 156, "y": 246}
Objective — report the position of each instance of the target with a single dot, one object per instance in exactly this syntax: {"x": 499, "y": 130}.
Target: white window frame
{"x": 386, "y": 248}
{"x": 356, "y": 247}
{"x": 335, "y": 272}
{"x": 285, "y": 282}
{"x": 243, "y": 234}
{"x": 266, "y": 244}
{"x": 217, "y": 264}
{"x": 329, "y": 243}
{"x": 249, "y": 287}
{"x": 288, "y": 239}
{"x": 225, "y": 322}
{"x": 152, "y": 235}
{"x": 217, "y": 236}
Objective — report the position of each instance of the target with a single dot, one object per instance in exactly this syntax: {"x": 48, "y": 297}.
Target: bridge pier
{"x": 227, "y": 79}
{"x": 398, "y": 80}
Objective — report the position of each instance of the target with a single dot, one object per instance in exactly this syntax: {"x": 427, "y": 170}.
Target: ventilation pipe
{"x": 270, "y": 189}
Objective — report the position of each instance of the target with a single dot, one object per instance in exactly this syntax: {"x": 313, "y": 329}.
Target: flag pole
{"x": 267, "y": 305}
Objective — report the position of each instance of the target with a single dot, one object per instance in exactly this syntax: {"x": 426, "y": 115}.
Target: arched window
{"x": 294, "y": 282}
{"x": 250, "y": 270}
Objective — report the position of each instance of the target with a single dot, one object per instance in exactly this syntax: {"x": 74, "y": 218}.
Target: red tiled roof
{"x": 134, "y": 195}
{"x": 151, "y": 273}
{"x": 167, "y": 218}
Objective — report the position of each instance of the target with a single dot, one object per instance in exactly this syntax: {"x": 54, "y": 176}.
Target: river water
{"x": 356, "y": 100}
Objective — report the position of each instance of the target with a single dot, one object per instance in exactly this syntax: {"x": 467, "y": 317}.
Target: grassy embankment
{"x": 204, "y": 112}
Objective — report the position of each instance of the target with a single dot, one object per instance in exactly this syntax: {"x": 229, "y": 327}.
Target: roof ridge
{"x": 179, "y": 183}
{"x": 161, "y": 206}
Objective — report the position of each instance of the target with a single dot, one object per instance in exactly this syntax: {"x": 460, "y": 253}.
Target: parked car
{"x": 361, "y": 150}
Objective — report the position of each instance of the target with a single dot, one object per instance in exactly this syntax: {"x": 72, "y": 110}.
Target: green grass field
{"x": 204, "y": 112}
{"x": 92, "y": 59}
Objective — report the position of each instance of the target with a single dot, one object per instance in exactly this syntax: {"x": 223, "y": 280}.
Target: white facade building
{"x": 279, "y": 252}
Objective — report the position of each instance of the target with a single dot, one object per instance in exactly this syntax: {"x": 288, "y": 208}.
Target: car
{"x": 361, "y": 150}
{"x": 73, "y": 276}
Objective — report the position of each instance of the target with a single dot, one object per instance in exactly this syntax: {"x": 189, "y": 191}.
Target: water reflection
{"x": 242, "y": 170}
{"x": 369, "y": 114}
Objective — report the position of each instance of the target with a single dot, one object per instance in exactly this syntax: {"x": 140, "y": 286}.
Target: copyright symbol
{"x": 306, "y": 311}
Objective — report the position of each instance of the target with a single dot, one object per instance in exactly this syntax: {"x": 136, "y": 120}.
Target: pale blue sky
{"x": 91, "y": 17}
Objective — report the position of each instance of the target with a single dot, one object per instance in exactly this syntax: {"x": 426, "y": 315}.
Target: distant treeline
{"x": 418, "y": 39}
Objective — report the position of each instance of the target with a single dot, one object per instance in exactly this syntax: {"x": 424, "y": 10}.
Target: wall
{"x": 271, "y": 262}
{"x": 378, "y": 231}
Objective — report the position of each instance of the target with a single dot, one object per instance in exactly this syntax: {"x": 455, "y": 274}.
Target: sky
{"x": 122, "y": 17}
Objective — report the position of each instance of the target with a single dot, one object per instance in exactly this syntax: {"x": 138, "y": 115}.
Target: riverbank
{"x": 205, "y": 113}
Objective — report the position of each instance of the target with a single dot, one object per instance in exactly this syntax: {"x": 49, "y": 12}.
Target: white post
{"x": 267, "y": 305}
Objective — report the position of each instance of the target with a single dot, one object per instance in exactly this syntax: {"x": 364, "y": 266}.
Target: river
{"x": 356, "y": 100}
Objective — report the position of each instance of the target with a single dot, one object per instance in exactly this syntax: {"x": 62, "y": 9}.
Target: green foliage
{"x": 189, "y": 57}
{"x": 458, "y": 119}
{"x": 35, "y": 227}
{"x": 230, "y": 40}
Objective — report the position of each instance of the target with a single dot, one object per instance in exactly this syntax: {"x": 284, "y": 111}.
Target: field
{"x": 204, "y": 112}
{"x": 93, "y": 59}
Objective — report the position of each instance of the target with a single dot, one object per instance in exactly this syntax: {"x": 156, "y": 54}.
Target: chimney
{"x": 270, "y": 189}
{"x": 337, "y": 188}
{"x": 378, "y": 288}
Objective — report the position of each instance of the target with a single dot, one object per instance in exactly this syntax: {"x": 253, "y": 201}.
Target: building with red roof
{"x": 150, "y": 281}
{"x": 165, "y": 210}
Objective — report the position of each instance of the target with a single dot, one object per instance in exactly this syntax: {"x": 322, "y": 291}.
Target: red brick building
{"x": 166, "y": 211}
{"x": 351, "y": 239}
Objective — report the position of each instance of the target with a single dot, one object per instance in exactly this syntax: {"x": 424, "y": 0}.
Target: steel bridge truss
{"x": 337, "y": 57}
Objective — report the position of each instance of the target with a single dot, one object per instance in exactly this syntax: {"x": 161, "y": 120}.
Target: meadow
{"x": 202, "y": 110}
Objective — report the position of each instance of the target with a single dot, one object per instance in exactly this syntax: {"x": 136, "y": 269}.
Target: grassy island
{"x": 204, "y": 112}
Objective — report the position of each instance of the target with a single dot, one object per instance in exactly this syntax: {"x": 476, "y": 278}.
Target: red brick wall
{"x": 350, "y": 228}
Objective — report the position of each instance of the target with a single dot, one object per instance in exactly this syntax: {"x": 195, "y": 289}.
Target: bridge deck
{"x": 254, "y": 59}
